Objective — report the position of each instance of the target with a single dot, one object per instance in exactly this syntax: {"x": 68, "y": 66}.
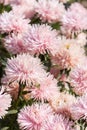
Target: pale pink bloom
{"x": 33, "y": 117}
{"x": 75, "y": 19}
{"x": 50, "y": 10}
{"x": 45, "y": 90}
{"x": 58, "y": 122}
{"x": 68, "y": 54}
{"x": 24, "y": 68}
{"x": 11, "y": 22}
{"x": 5, "y": 102}
{"x": 61, "y": 103}
{"x": 26, "y": 7}
{"x": 79, "y": 109}
{"x": 78, "y": 79}
{"x": 41, "y": 38}
{"x": 14, "y": 43}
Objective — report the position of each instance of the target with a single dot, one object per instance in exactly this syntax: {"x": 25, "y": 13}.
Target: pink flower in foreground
{"x": 10, "y": 21}
{"x": 78, "y": 79}
{"x": 46, "y": 90}
{"x": 24, "y": 68}
{"x": 33, "y": 117}
{"x": 58, "y": 122}
{"x": 75, "y": 19}
{"x": 41, "y": 38}
{"x": 5, "y": 103}
{"x": 50, "y": 10}
{"x": 36, "y": 40}
{"x": 79, "y": 109}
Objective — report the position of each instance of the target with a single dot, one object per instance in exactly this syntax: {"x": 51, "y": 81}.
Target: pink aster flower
{"x": 5, "y": 102}
{"x": 24, "y": 68}
{"x": 79, "y": 109}
{"x": 62, "y": 102}
{"x": 36, "y": 40}
{"x": 41, "y": 38}
{"x": 58, "y": 122}
{"x": 75, "y": 19}
{"x": 50, "y": 10}
{"x": 68, "y": 54}
{"x": 46, "y": 90}
{"x": 78, "y": 79}
{"x": 11, "y": 22}
{"x": 14, "y": 43}
{"x": 33, "y": 117}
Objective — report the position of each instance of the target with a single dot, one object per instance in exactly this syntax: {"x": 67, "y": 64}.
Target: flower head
{"x": 50, "y": 10}
{"x": 41, "y": 38}
{"x": 33, "y": 117}
{"x": 58, "y": 122}
{"x": 5, "y": 102}
{"x": 46, "y": 89}
{"x": 79, "y": 109}
{"x": 68, "y": 54}
{"x": 25, "y": 69}
{"x": 61, "y": 103}
{"x": 78, "y": 79}
{"x": 11, "y": 22}
{"x": 74, "y": 20}
{"x": 14, "y": 43}
{"x": 25, "y": 7}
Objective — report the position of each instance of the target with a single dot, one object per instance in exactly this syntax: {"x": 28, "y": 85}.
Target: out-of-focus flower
{"x": 79, "y": 109}
{"x": 5, "y": 102}
{"x": 50, "y": 10}
{"x": 61, "y": 103}
{"x": 33, "y": 117}
{"x": 11, "y": 22}
{"x": 41, "y": 38}
{"x": 46, "y": 90}
{"x": 74, "y": 20}
{"x": 78, "y": 79}
{"x": 25, "y": 69}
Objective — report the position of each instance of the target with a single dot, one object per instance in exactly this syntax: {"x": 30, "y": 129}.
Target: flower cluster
{"x": 43, "y": 65}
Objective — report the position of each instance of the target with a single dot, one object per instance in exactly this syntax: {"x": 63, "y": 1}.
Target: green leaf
{"x": 10, "y": 112}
